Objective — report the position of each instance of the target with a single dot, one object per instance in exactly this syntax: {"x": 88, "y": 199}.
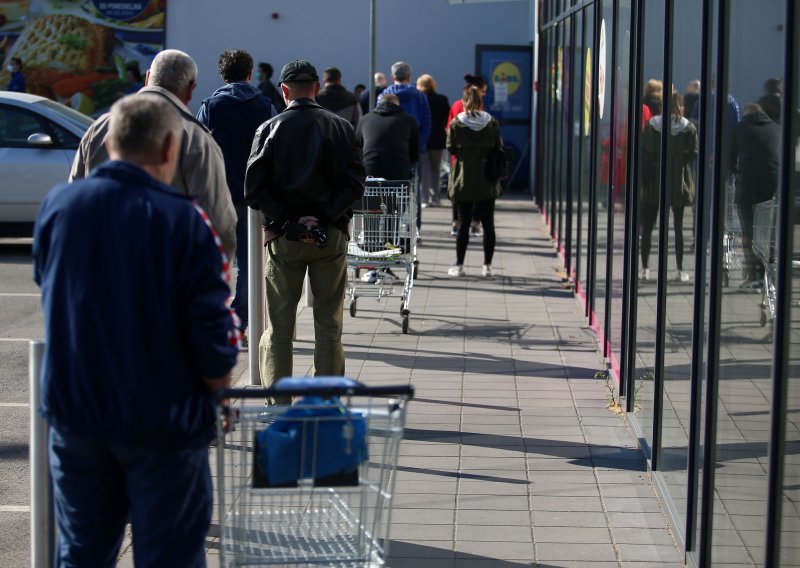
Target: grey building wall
{"x": 434, "y": 36}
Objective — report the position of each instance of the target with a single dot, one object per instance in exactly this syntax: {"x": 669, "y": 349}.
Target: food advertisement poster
{"x": 82, "y": 53}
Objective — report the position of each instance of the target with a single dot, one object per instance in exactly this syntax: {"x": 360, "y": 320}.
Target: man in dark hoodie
{"x": 232, "y": 114}
{"x": 335, "y": 98}
{"x": 756, "y": 157}
{"x": 390, "y": 138}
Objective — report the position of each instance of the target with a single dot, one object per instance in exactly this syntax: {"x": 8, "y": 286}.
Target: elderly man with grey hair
{"x": 139, "y": 337}
{"x": 415, "y": 103}
{"x": 201, "y": 168}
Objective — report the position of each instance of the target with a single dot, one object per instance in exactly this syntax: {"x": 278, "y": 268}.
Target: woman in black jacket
{"x": 431, "y": 163}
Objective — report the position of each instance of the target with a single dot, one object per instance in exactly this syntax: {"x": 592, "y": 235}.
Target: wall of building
{"x": 432, "y": 35}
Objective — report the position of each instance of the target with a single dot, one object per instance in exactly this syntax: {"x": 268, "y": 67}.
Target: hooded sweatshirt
{"x": 390, "y": 139}
{"x": 232, "y": 114}
{"x": 470, "y": 139}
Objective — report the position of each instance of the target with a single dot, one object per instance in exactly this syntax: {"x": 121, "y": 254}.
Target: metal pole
{"x": 255, "y": 292}
{"x": 42, "y": 524}
{"x": 372, "y": 54}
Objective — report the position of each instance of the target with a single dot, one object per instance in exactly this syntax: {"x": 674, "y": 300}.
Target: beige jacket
{"x": 200, "y": 173}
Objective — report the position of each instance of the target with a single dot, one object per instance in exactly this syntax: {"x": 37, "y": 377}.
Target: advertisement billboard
{"x": 83, "y": 53}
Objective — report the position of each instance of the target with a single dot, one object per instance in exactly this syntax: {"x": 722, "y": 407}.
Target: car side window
{"x": 16, "y": 125}
{"x": 63, "y": 137}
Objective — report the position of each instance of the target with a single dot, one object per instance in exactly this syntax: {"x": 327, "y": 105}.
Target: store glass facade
{"x": 668, "y": 170}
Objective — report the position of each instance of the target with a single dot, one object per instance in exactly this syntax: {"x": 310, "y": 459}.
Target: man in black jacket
{"x": 336, "y": 98}
{"x": 304, "y": 174}
{"x": 755, "y": 155}
{"x": 390, "y": 138}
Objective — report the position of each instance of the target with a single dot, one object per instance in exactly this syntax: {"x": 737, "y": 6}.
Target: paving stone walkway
{"x": 510, "y": 457}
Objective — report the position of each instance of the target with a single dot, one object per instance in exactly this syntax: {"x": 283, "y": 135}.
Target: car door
{"x": 30, "y": 170}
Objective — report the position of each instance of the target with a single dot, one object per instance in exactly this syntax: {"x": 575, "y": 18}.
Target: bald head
{"x": 174, "y": 71}
{"x": 145, "y": 130}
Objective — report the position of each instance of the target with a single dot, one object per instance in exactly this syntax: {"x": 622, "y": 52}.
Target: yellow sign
{"x": 509, "y": 74}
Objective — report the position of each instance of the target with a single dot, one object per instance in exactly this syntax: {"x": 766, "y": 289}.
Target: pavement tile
{"x": 490, "y": 517}
{"x": 569, "y": 519}
{"x": 504, "y": 502}
{"x": 498, "y": 550}
{"x": 649, "y": 553}
{"x": 573, "y": 535}
{"x": 494, "y": 533}
{"x": 590, "y": 553}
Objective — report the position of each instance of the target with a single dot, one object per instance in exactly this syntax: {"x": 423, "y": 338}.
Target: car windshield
{"x": 70, "y": 115}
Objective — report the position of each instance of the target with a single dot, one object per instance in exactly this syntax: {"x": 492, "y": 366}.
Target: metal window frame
{"x": 580, "y": 16}
{"x": 784, "y": 254}
{"x": 702, "y": 227}
{"x": 612, "y": 135}
{"x": 568, "y": 257}
{"x": 715, "y": 285}
{"x": 663, "y": 238}
{"x": 634, "y": 137}
{"x": 592, "y": 228}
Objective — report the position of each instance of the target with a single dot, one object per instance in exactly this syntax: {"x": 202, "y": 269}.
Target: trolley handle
{"x": 317, "y": 387}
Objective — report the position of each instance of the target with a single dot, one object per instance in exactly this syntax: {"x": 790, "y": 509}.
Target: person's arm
{"x": 202, "y": 116}
{"x": 208, "y": 324}
{"x": 424, "y": 122}
{"x": 352, "y": 185}
{"x": 259, "y": 178}
{"x": 413, "y": 141}
{"x": 451, "y": 141}
{"x": 203, "y": 172}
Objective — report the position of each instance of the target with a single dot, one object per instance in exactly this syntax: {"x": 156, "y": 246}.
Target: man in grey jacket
{"x": 201, "y": 167}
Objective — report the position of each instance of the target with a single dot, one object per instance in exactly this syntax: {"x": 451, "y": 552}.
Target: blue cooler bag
{"x": 320, "y": 435}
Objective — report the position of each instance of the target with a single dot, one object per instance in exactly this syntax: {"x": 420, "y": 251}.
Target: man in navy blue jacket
{"x": 232, "y": 114}
{"x": 138, "y": 337}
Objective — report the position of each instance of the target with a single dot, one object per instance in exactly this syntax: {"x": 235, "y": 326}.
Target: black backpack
{"x": 498, "y": 164}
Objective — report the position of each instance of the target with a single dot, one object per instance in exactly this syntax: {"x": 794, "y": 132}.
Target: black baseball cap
{"x": 298, "y": 71}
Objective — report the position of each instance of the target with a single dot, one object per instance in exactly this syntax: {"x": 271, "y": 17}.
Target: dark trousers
{"x": 239, "y": 303}
{"x": 483, "y": 211}
{"x": 98, "y": 484}
{"x": 648, "y": 214}
{"x": 754, "y": 269}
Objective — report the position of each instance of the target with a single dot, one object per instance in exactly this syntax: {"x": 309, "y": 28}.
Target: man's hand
{"x": 300, "y": 231}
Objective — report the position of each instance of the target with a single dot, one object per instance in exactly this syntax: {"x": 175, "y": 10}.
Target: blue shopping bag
{"x": 316, "y": 438}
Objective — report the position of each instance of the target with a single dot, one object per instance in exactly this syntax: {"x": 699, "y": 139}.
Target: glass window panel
{"x": 750, "y": 156}
{"x": 682, "y": 151}
{"x": 790, "y": 501}
{"x": 619, "y": 176}
{"x": 604, "y": 44}
{"x": 648, "y": 198}
{"x": 577, "y": 136}
{"x": 586, "y": 132}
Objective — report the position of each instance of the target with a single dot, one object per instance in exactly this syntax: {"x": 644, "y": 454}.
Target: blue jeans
{"x": 239, "y": 303}
{"x": 97, "y": 484}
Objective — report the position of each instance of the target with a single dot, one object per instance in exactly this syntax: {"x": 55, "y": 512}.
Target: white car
{"x": 38, "y": 139}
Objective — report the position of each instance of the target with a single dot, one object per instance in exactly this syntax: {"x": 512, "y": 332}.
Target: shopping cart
{"x": 310, "y": 483}
{"x": 732, "y": 234}
{"x": 383, "y": 237}
{"x": 764, "y": 215}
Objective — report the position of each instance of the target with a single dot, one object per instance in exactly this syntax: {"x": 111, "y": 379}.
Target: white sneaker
{"x": 683, "y": 276}
{"x": 487, "y": 270}
{"x": 644, "y": 274}
{"x": 456, "y": 270}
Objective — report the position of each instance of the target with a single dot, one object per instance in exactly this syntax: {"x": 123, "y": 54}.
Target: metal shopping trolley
{"x": 309, "y": 483}
{"x": 764, "y": 215}
{"x": 732, "y": 234}
{"x": 383, "y": 238}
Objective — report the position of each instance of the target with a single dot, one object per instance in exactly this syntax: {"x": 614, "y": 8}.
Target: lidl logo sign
{"x": 507, "y": 73}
